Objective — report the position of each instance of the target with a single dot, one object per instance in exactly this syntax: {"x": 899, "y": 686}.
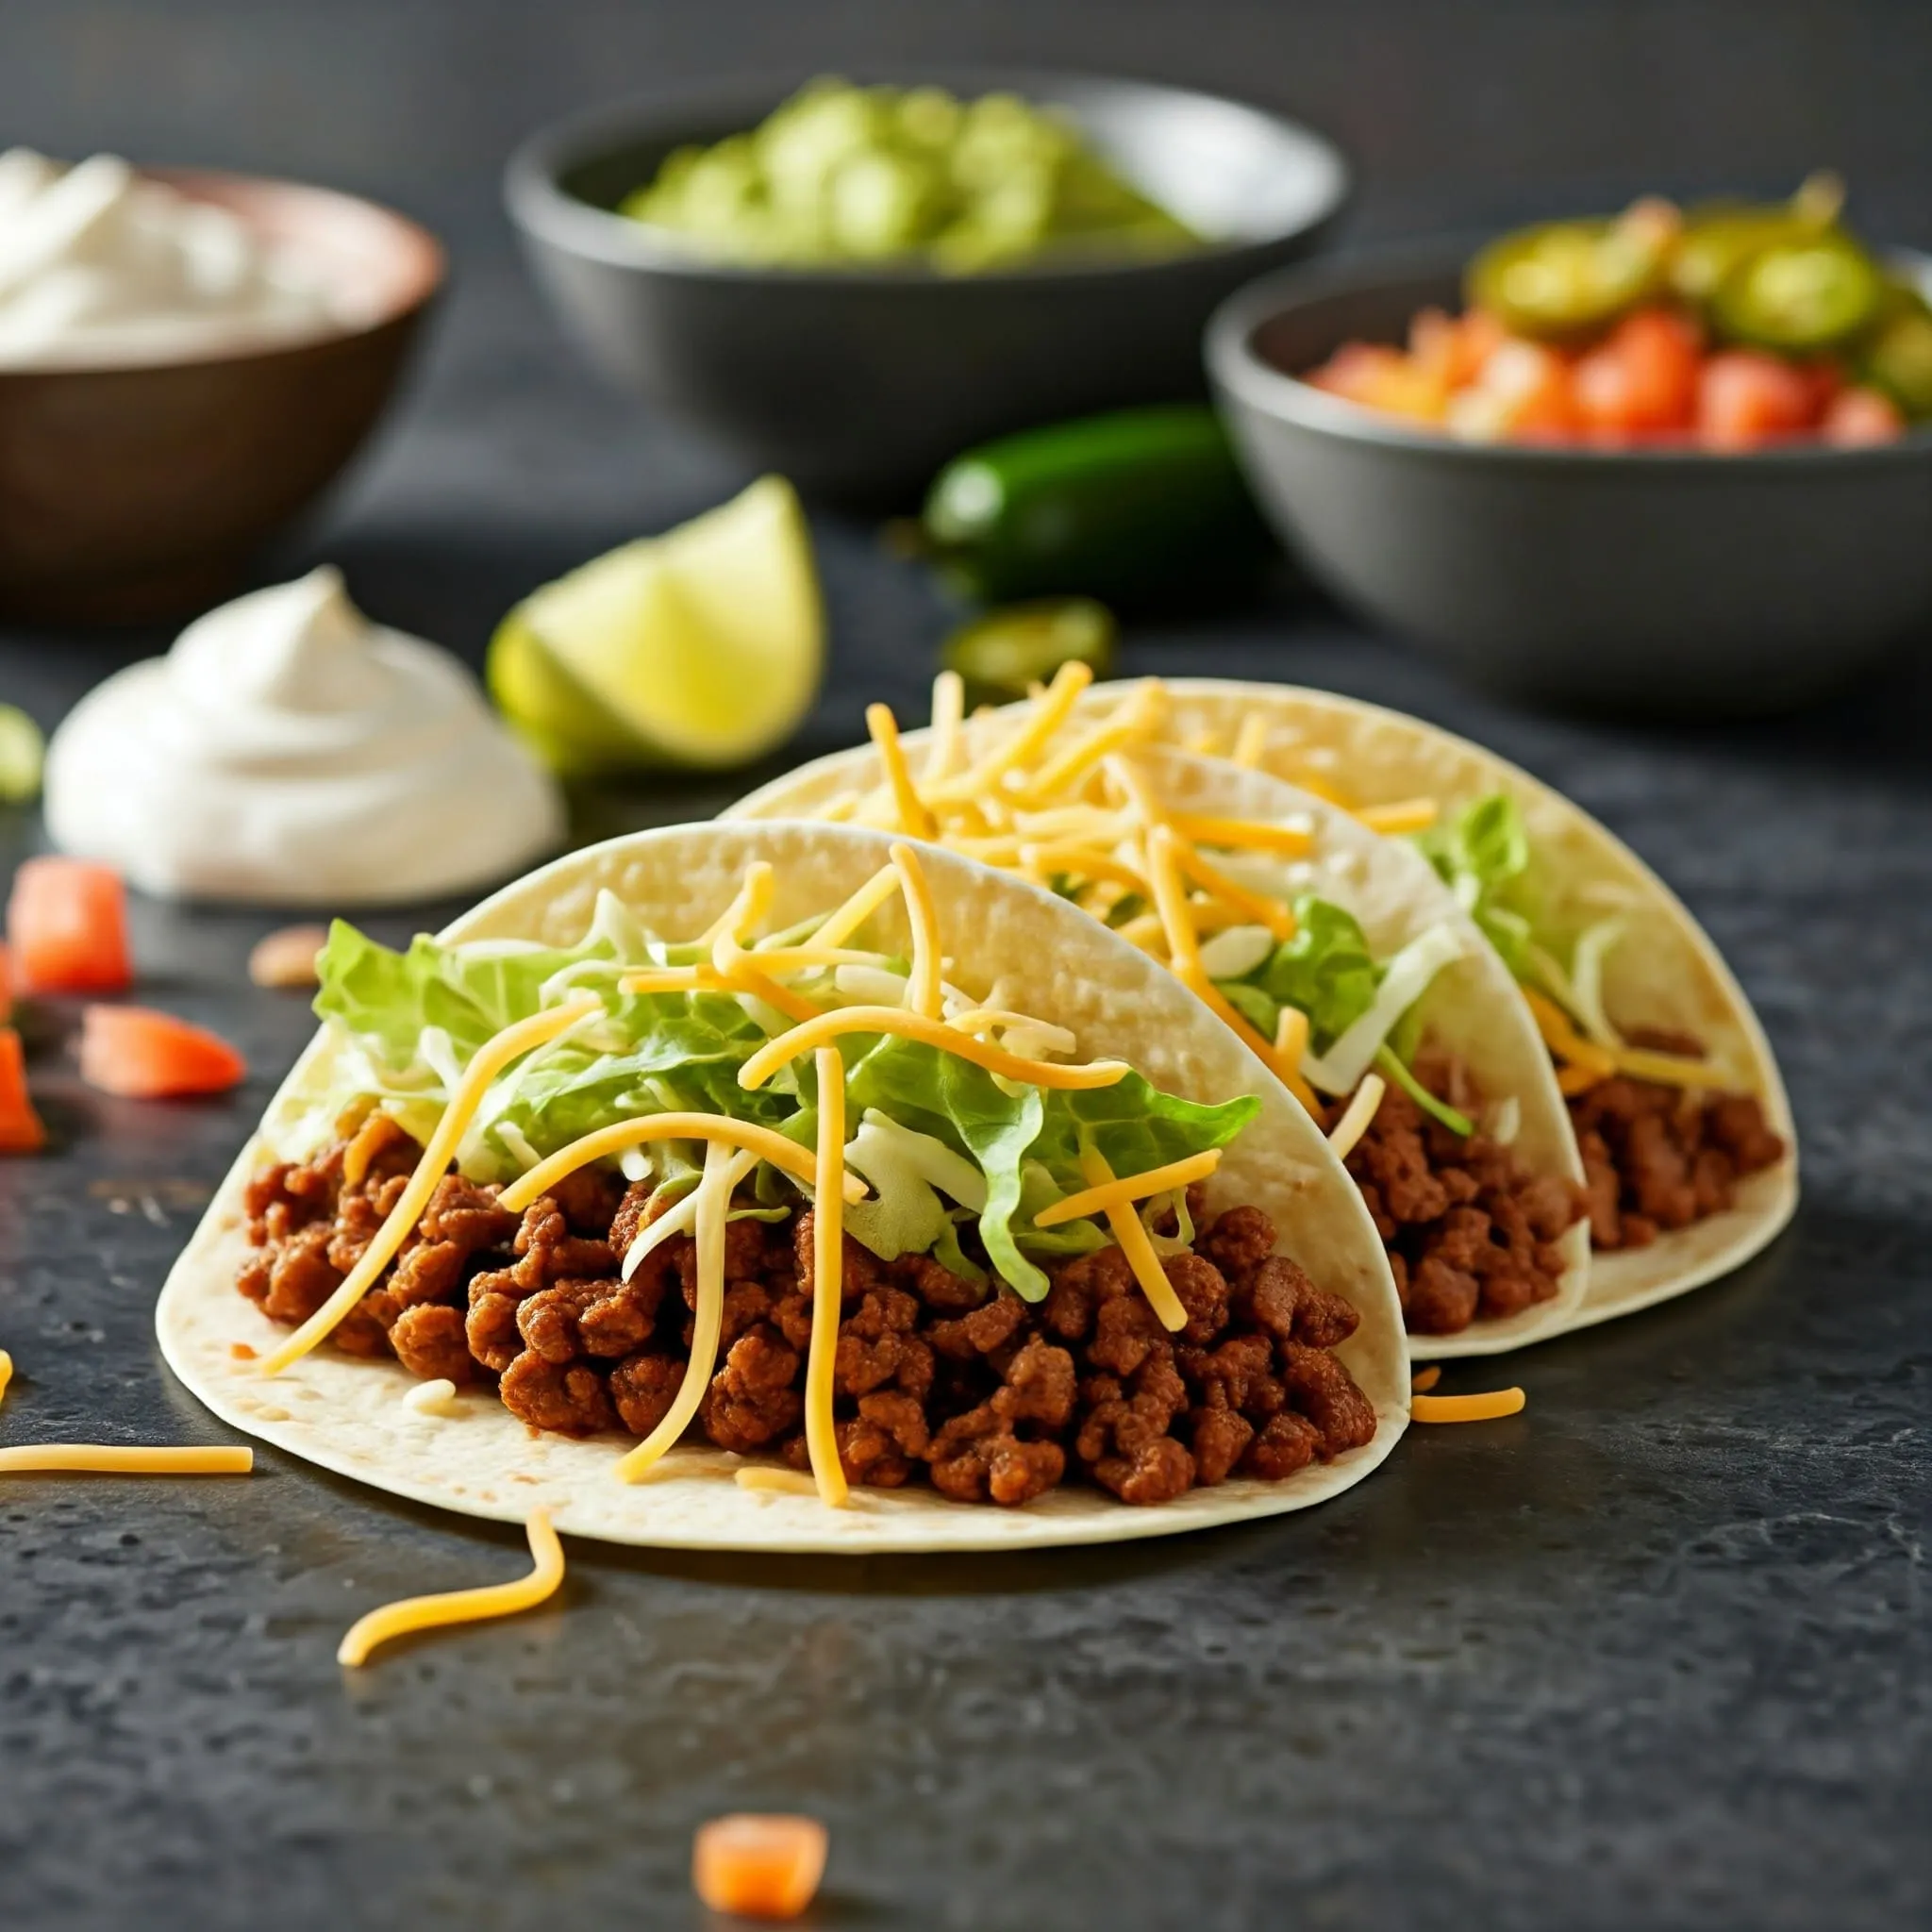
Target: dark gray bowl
{"x": 866, "y": 380}
{"x": 1638, "y": 581}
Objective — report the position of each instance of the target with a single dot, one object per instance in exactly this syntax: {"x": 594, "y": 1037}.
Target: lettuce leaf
{"x": 661, "y": 1052}
{"x": 1325, "y": 970}
{"x": 1481, "y": 854}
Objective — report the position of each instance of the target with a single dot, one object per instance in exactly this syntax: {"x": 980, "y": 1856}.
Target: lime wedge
{"x": 22, "y": 750}
{"x": 701, "y": 647}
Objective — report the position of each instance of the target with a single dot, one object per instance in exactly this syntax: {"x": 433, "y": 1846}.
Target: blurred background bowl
{"x": 137, "y": 493}
{"x": 1636, "y": 581}
{"x": 863, "y": 381}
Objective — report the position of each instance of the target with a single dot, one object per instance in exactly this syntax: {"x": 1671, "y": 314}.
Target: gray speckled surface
{"x": 1655, "y": 1653}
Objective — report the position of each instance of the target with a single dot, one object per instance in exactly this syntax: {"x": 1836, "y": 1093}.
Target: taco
{"x": 1089, "y": 1273}
{"x": 1677, "y": 1104}
{"x": 1337, "y": 956}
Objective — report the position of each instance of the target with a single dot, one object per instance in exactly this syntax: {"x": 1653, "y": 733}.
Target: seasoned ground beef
{"x": 1471, "y": 1233}
{"x": 937, "y": 1378}
{"x": 1657, "y": 1158}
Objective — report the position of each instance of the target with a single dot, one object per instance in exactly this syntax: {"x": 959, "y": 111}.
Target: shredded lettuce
{"x": 1481, "y": 854}
{"x": 934, "y": 1129}
{"x": 1325, "y": 970}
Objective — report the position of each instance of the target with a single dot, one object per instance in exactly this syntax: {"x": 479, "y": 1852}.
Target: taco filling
{"x": 1233, "y": 906}
{"x": 796, "y": 1197}
{"x": 1664, "y": 1138}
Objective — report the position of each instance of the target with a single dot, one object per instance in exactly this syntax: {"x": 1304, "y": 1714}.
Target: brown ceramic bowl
{"x": 132, "y": 494}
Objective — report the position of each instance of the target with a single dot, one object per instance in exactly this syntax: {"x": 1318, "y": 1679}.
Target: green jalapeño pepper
{"x": 1569, "y": 279}
{"x": 1799, "y": 297}
{"x": 1720, "y": 235}
{"x": 1898, "y": 357}
{"x": 1001, "y": 656}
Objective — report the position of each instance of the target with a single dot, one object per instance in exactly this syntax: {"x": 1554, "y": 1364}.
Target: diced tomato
{"x": 67, "y": 927}
{"x": 1524, "y": 396}
{"x": 1643, "y": 376}
{"x": 1383, "y": 378}
{"x": 1746, "y": 399}
{"x": 758, "y": 1867}
{"x": 142, "y": 1054}
{"x": 1857, "y": 418}
{"x": 20, "y": 1131}
{"x": 1478, "y": 336}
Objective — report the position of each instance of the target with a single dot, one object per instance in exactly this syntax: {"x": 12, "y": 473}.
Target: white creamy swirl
{"x": 288, "y": 752}
{"x": 100, "y": 266}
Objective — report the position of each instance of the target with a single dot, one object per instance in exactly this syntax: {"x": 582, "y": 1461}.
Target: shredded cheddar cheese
{"x": 713, "y": 1200}
{"x": 714, "y": 1128}
{"x": 491, "y": 1058}
{"x": 1131, "y": 1235}
{"x": 1665, "y": 1069}
{"x": 5, "y": 1373}
{"x": 1406, "y": 815}
{"x": 827, "y": 1277}
{"x": 1250, "y": 742}
{"x": 1050, "y": 712}
{"x": 103, "y": 1458}
{"x": 1043, "y": 862}
{"x": 461, "y": 1606}
{"x": 1586, "y": 1063}
{"x": 1424, "y": 1379}
{"x": 1130, "y": 1188}
{"x": 1355, "y": 1118}
{"x": 1247, "y": 904}
{"x": 948, "y": 714}
{"x": 730, "y": 960}
{"x": 747, "y": 906}
{"x": 860, "y": 907}
{"x": 896, "y": 1020}
{"x": 1242, "y": 835}
{"x": 783, "y": 1482}
{"x": 1486, "y": 1408}
{"x": 924, "y": 993}
{"x": 913, "y": 815}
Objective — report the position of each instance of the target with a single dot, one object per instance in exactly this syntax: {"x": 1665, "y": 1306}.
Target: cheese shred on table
{"x": 103, "y": 1458}
{"x": 463, "y": 1606}
{"x": 1486, "y": 1408}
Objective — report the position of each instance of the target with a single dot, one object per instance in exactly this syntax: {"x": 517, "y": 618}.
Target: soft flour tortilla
{"x": 1472, "y": 1007}
{"x": 1023, "y": 948}
{"x": 1664, "y": 973}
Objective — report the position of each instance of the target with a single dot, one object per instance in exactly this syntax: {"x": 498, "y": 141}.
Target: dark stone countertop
{"x": 1653, "y": 1653}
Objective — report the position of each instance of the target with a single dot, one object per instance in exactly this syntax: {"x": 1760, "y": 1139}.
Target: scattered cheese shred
{"x": 730, "y": 960}
{"x": 1134, "y": 724}
{"x": 784, "y": 1482}
{"x": 1130, "y": 1188}
{"x": 715, "y": 1128}
{"x": 755, "y": 1865}
{"x": 1355, "y": 1118}
{"x": 913, "y": 816}
{"x": 101, "y": 1458}
{"x": 925, "y": 994}
{"x": 490, "y": 1059}
{"x": 5, "y": 1373}
{"x": 1129, "y": 1231}
{"x": 1486, "y": 1408}
{"x": 827, "y": 1277}
{"x": 1043, "y": 862}
{"x": 1424, "y": 1379}
{"x": 948, "y": 714}
{"x": 747, "y": 906}
{"x": 1586, "y": 1062}
{"x": 713, "y": 1200}
{"x": 1170, "y": 903}
{"x": 1242, "y": 835}
{"x": 841, "y": 924}
{"x": 1406, "y": 815}
{"x": 896, "y": 1020}
{"x": 1250, "y": 742}
{"x": 461, "y": 1606}
{"x": 1050, "y": 712}
{"x": 1665, "y": 1069}
{"x": 1253, "y": 905}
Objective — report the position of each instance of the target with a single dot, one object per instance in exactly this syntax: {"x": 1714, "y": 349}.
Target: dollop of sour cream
{"x": 288, "y": 752}
{"x": 101, "y": 266}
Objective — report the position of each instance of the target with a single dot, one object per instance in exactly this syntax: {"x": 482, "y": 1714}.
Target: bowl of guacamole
{"x": 850, "y": 279}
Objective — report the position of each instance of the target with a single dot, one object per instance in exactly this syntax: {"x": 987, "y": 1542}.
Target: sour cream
{"x": 100, "y": 266}
{"x": 288, "y": 752}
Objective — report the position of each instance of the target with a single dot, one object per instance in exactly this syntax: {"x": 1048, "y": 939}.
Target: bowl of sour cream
{"x": 186, "y": 360}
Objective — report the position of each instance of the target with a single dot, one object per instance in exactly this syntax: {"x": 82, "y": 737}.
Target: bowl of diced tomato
{"x": 1667, "y": 462}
